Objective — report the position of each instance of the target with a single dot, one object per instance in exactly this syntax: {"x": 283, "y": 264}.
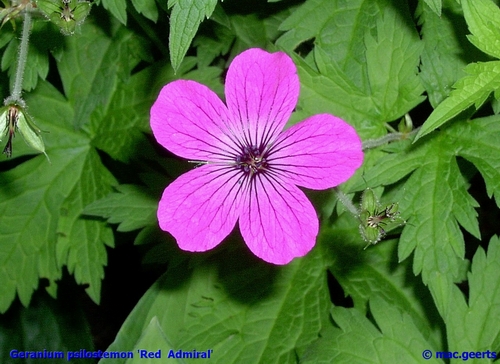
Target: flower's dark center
{"x": 251, "y": 160}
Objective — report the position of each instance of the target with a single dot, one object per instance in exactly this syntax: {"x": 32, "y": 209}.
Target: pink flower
{"x": 251, "y": 167}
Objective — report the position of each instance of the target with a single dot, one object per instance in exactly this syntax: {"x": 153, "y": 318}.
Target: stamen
{"x": 251, "y": 160}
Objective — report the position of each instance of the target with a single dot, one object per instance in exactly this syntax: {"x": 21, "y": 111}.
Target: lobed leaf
{"x": 132, "y": 207}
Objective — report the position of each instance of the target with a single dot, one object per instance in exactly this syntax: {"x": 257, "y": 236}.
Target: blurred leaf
{"x": 56, "y": 327}
{"x": 118, "y": 8}
{"x": 147, "y": 8}
{"x": 435, "y": 6}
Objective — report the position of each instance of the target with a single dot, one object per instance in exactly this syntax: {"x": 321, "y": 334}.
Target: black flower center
{"x": 252, "y": 160}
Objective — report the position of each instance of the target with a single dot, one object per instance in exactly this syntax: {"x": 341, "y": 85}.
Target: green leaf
{"x": 90, "y": 78}
{"x": 147, "y": 8}
{"x": 392, "y": 59}
{"x": 131, "y": 206}
{"x": 153, "y": 340}
{"x": 432, "y": 228}
{"x": 483, "y": 19}
{"x": 481, "y": 310}
{"x": 241, "y": 308}
{"x": 43, "y": 229}
{"x": 309, "y": 19}
{"x": 393, "y": 338}
{"x": 37, "y": 62}
{"x": 482, "y": 79}
{"x": 435, "y": 5}
{"x": 446, "y": 50}
{"x": 384, "y": 48}
{"x": 37, "y": 196}
{"x": 363, "y": 272}
{"x": 81, "y": 242}
{"x": 349, "y": 102}
{"x": 47, "y": 325}
{"x": 118, "y": 8}
{"x": 479, "y": 144}
{"x": 127, "y": 113}
{"x": 184, "y": 22}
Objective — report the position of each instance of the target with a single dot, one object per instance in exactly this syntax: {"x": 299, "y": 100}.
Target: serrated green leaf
{"x": 483, "y": 19}
{"x": 363, "y": 272}
{"x": 311, "y": 17}
{"x": 131, "y": 206}
{"x": 147, "y": 8}
{"x": 446, "y": 50}
{"x": 335, "y": 94}
{"x": 243, "y": 309}
{"x": 392, "y": 59}
{"x": 464, "y": 204}
{"x": 432, "y": 227}
{"x": 90, "y": 78}
{"x": 479, "y": 144}
{"x": 392, "y": 167}
{"x": 118, "y": 8}
{"x": 482, "y": 79}
{"x": 435, "y": 5}
{"x": 127, "y": 113}
{"x": 44, "y": 229}
{"x": 185, "y": 19}
{"x": 481, "y": 311}
{"x": 81, "y": 242}
{"x": 358, "y": 340}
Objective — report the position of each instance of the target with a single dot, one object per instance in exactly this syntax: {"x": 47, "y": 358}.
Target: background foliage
{"x": 433, "y": 284}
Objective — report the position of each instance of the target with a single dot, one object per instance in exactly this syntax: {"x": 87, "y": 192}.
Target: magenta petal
{"x": 278, "y": 223}
{"x": 261, "y": 92}
{"x": 321, "y": 152}
{"x": 191, "y": 121}
{"x": 201, "y": 207}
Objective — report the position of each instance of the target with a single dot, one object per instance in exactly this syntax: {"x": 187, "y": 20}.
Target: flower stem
{"x": 21, "y": 57}
{"x": 346, "y": 201}
{"x": 373, "y": 143}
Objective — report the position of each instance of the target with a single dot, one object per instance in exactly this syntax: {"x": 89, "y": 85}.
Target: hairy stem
{"x": 373, "y": 143}
{"x": 22, "y": 56}
{"x": 346, "y": 201}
